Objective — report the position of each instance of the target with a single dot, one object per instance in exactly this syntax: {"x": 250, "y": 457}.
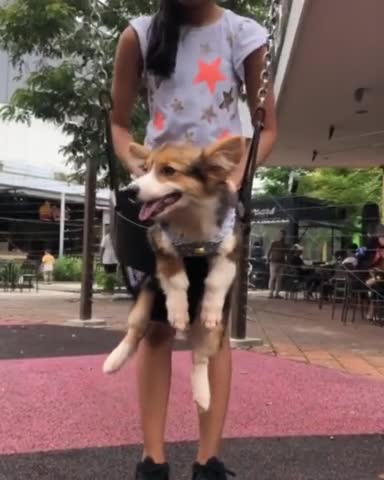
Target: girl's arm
{"x": 126, "y": 81}
{"x": 253, "y": 66}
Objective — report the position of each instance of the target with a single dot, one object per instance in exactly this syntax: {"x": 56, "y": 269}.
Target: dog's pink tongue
{"x": 147, "y": 210}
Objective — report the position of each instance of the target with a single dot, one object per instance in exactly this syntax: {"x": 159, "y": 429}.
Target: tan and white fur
{"x": 185, "y": 187}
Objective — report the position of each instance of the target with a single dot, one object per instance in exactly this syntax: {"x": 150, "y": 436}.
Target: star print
{"x": 242, "y": 24}
{"x": 159, "y": 121}
{"x": 150, "y": 96}
{"x": 228, "y": 100}
{"x": 189, "y": 135}
{"x": 206, "y": 48}
{"x": 231, "y": 39}
{"x": 158, "y": 81}
{"x": 224, "y": 134}
{"x": 210, "y": 73}
{"x": 177, "y": 105}
{"x": 208, "y": 114}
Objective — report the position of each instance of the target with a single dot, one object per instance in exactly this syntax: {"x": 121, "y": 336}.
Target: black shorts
{"x": 110, "y": 268}
{"x": 197, "y": 271}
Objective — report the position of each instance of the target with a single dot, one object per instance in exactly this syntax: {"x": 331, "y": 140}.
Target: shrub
{"x": 106, "y": 281}
{"x": 68, "y": 269}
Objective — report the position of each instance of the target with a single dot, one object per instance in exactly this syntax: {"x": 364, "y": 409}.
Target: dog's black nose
{"x": 132, "y": 192}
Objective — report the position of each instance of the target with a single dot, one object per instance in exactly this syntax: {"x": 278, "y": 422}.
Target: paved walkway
{"x": 300, "y": 331}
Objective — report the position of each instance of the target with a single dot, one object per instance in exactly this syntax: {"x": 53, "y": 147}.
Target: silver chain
{"x": 272, "y": 24}
{"x": 97, "y": 38}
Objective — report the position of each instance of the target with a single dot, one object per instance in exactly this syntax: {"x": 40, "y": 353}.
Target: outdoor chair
{"x": 378, "y": 304}
{"x": 29, "y": 276}
{"x": 4, "y": 280}
{"x": 326, "y": 286}
{"x": 339, "y": 292}
{"x": 357, "y": 295}
{"x": 293, "y": 283}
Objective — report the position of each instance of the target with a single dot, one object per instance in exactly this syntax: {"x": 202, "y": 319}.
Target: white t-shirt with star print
{"x": 199, "y": 103}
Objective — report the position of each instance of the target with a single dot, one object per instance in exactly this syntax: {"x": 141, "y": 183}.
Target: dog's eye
{"x": 167, "y": 171}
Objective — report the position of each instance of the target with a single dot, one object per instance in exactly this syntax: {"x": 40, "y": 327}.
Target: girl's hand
{"x": 232, "y": 185}
{"x": 135, "y": 170}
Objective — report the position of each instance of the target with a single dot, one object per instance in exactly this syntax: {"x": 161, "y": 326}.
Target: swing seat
{"x": 129, "y": 235}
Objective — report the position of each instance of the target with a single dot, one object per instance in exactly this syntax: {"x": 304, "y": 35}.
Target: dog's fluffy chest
{"x": 212, "y": 233}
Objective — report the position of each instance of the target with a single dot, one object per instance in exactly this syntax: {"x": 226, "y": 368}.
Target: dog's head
{"x": 178, "y": 175}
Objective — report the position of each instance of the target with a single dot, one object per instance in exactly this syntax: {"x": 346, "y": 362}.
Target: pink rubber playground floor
{"x": 67, "y": 403}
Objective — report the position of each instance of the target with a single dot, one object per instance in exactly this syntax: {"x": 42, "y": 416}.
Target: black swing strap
{"x": 106, "y": 104}
{"x": 245, "y": 192}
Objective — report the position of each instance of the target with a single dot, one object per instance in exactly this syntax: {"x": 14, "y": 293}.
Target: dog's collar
{"x": 186, "y": 248}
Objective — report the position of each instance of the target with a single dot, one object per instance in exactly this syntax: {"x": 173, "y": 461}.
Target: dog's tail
{"x": 118, "y": 357}
{"x": 200, "y": 383}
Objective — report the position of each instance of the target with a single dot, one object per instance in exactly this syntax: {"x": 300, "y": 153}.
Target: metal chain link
{"x": 97, "y": 38}
{"x": 272, "y": 24}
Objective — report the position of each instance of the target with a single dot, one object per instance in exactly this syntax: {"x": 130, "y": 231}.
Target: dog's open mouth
{"x": 151, "y": 209}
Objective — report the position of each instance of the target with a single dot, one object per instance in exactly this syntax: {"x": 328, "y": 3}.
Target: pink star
{"x": 159, "y": 121}
{"x": 224, "y": 134}
{"x": 210, "y": 73}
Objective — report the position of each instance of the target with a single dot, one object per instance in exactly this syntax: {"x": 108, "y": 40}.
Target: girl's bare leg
{"x": 154, "y": 368}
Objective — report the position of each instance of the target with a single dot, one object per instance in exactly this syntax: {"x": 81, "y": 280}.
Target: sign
{"x": 263, "y": 212}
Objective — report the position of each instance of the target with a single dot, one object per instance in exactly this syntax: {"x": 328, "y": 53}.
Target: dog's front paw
{"x": 179, "y": 319}
{"x": 211, "y": 316}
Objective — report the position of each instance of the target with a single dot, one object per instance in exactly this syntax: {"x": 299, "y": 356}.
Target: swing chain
{"x": 272, "y": 24}
{"x": 97, "y": 39}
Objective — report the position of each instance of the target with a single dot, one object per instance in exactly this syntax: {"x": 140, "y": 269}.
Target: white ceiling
{"x": 338, "y": 47}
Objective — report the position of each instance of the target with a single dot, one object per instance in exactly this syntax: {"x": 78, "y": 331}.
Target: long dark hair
{"x": 164, "y": 38}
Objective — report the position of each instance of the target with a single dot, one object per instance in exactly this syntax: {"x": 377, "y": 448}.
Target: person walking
{"x": 107, "y": 253}
{"x": 277, "y": 258}
{"x": 48, "y": 263}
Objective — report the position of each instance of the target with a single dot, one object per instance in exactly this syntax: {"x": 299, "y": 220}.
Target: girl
{"x": 193, "y": 56}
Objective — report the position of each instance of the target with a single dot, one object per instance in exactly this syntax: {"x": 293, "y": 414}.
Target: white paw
{"x": 211, "y": 316}
{"x": 118, "y": 357}
{"x": 179, "y": 319}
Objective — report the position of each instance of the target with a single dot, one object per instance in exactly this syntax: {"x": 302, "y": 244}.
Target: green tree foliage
{"x": 69, "y": 47}
{"x": 345, "y": 187}
{"x": 274, "y": 181}
{"x": 350, "y": 188}
{"x": 72, "y": 44}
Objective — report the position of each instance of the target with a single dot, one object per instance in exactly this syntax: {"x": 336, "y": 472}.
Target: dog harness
{"x": 186, "y": 248}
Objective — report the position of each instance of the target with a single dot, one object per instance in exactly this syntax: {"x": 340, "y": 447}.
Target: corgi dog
{"x": 184, "y": 192}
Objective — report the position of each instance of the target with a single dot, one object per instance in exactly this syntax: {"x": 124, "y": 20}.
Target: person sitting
{"x": 295, "y": 260}
{"x": 374, "y": 261}
{"x": 351, "y": 261}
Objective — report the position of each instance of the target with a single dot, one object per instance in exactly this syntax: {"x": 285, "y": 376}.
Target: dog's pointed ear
{"x": 139, "y": 152}
{"x": 222, "y": 157}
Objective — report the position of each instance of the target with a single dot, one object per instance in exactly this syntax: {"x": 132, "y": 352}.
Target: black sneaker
{"x": 212, "y": 470}
{"x": 149, "y": 470}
